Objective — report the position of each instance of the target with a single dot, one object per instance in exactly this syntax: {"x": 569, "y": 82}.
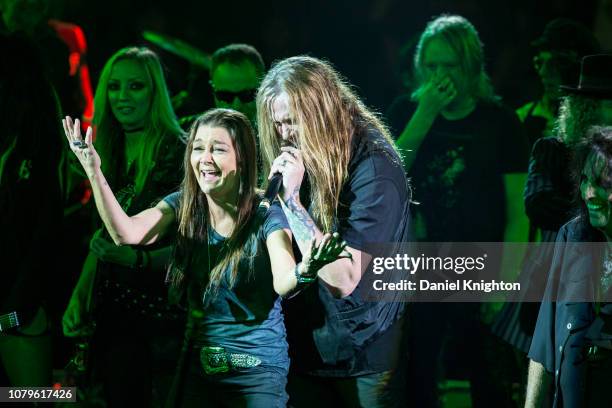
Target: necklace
{"x": 134, "y": 130}
{"x": 133, "y": 140}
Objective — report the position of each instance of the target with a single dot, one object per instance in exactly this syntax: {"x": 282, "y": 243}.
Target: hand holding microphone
{"x": 286, "y": 174}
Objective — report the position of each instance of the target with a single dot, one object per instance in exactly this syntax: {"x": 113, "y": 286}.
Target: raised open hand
{"x": 83, "y": 149}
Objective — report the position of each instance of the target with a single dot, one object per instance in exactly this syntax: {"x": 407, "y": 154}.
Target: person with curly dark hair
{"x": 548, "y": 194}
{"x": 572, "y": 340}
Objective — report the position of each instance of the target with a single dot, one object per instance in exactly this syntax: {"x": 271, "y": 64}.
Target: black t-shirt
{"x": 348, "y": 336}
{"x": 247, "y": 317}
{"x": 458, "y": 171}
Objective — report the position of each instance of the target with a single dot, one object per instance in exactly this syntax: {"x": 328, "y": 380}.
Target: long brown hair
{"x": 160, "y": 125}
{"x": 193, "y": 214}
{"x": 327, "y": 113}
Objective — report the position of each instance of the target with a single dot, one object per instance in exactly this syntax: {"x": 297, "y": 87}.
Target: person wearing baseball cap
{"x": 557, "y": 55}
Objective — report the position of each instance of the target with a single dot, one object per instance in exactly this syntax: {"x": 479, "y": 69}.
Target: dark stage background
{"x": 362, "y": 38}
{"x": 370, "y": 42}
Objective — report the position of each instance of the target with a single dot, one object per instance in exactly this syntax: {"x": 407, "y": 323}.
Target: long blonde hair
{"x": 160, "y": 124}
{"x": 193, "y": 214}
{"x": 327, "y": 114}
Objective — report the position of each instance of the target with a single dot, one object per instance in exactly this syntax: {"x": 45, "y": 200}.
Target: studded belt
{"x": 215, "y": 360}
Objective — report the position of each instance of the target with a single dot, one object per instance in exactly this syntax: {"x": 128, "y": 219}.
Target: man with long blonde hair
{"x": 343, "y": 348}
{"x": 468, "y": 158}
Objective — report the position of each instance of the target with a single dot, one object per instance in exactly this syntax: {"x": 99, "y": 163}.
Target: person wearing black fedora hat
{"x": 467, "y": 158}
{"x": 572, "y": 336}
{"x": 595, "y": 77}
{"x": 558, "y": 53}
{"x": 590, "y": 102}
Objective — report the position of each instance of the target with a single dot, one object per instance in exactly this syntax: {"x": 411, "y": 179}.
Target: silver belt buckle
{"x": 214, "y": 360}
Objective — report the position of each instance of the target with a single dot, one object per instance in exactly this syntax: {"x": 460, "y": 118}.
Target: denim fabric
{"x": 256, "y": 387}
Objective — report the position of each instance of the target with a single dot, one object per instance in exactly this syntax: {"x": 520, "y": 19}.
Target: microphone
{"x": 273, "y": 186}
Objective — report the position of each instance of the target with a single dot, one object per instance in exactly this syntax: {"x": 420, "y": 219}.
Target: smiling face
{"x": 130, "y": 93}
{"x": 214, "y": 163}
{"x": 598, "y": 199}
